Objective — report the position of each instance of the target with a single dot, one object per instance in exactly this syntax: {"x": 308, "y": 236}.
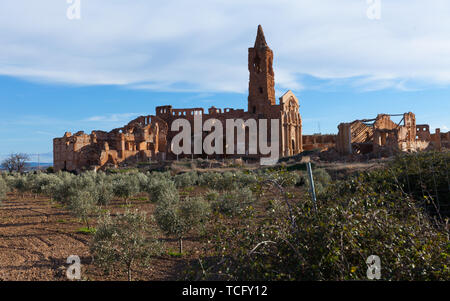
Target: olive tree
{"x": 21, "y": 184}
{"x": 83, "y": 204}
{"x": 38, "y": 182}
{"x": 177, "y": 218}
{"x": 126, "y": 186}
{"x": 104, "y": 192}
{"x": 62, "y": 188}
{"x": 186, "y": 179}
{"x": 162, "y": 190}
{"x": 125, "y": 240}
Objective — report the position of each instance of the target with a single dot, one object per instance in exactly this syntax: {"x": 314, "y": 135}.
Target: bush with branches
{"x": 125, "y": 241}
{"x": 126, "y": 186}
{"x": 176, "y": 218}
{"x": 355, "y": 219}
{"x": 162, "y": 190}
{"x": 21, "y": 184}
{"x": 62, "y": 188}
{"x": 83, "y": 204}
{"x": 210, "y": 179}
{"x": 233, "y": 203}
{"x": 186, "y": 179}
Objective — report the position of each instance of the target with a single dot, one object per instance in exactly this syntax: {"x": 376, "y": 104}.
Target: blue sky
{"x": 123, "y": 58}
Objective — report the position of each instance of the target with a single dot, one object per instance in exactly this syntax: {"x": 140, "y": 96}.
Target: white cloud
{"x": 443, "y": 128}
{"x": 201, "y": 45}
{"x": 124, "y": 117}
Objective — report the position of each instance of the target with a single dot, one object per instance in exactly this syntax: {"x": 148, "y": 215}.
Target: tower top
{"x": 260, "y": 38}
{"x": 262, "y": 82}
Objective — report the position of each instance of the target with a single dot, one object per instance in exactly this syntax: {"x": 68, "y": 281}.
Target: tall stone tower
{"x": 262, "y": 81}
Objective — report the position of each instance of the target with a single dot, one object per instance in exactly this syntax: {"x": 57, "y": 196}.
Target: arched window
{"x": 257, "y": 64}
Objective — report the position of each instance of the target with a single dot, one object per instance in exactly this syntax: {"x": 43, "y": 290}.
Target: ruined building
{"x": 383, "y": 136}
{"x": 319, "y": 142}
{"x": 149, "y": 137}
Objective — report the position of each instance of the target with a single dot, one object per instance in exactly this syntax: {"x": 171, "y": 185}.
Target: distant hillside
{"x": 36, "y": 165}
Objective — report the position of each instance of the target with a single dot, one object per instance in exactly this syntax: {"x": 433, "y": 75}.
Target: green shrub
{"x": 227, "y": 180}
{"x": 42, "y": 183}
{"x": 177, "y": 218}
{"x": 104, "y": 192}
{"x": 83, "y": 204}
{"x": 246, "y": 179}
{"x": 126, "y": 186}
{"x": 162, "y": 190}
{"x": 186, "y": 179}
{"x": 425, "y": 176}
{"x": 21, "y": 184}
{"x": 3, "y": 189}
{"x": 233, "y": 203}
{"x": 356, "y": 218}
{"x": 210, "y": 179}
{"x": 321, "y": 180}
{"x": 143, "y": 181}
{"x": 212, "y": 195}
{"x": 125, "y": 241}
{"x": 63, "y": 187}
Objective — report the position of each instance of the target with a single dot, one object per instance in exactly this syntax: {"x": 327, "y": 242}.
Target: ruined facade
{"x": 319, "y": 142}
{"x": 142, "y": 138}
{"x": 438, "y": 140}
{"x": 383, "y": 136}
{"x": 150, "y": 138}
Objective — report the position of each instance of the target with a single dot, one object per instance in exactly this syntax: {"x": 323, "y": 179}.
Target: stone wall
{"x": 354, "y": 135}
{"x": 318, "y": 141}
{"x": 142, "y": 139}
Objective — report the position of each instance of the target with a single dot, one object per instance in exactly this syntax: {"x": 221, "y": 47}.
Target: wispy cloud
{"x": 45, "y": 133}
{"x": 123, "y": 117}
{"x": 201, "y": 45}
{"x": 443, "y": 128}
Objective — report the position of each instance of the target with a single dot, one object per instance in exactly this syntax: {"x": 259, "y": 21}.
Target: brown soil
{"x": 37, "y": 236}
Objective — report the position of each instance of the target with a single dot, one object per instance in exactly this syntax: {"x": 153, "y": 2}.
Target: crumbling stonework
{"x": 141, "y": 139}
{"x": 383, "y": 136}
{"x": 319, "y": 142}
{"x": 437, "y": 141}
{"x": 149, "y": 137}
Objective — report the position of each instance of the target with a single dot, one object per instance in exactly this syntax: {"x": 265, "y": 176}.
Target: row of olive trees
{"x": 86, "y": 193}
{"x": 131, "y": 237}
{"x": 127, "y": 238}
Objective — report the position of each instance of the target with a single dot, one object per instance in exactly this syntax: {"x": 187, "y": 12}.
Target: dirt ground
{"x": 340, "y": 170}
{"x": 37, "y": 236}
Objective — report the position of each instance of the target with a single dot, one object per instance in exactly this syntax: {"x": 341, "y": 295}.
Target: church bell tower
{"x": 262, "y": 79}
